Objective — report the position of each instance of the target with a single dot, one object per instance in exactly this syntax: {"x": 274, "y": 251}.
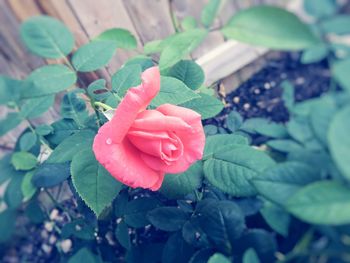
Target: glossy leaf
{"x": 7, "y": 224}
{"x": 93, "y": 183}
{"x": 28, "y": 189}
{"x": 47, "y": 37}
{"x": 50, "y": 175}
{"x": 340, "y": 72}
{"x": 323, "y": 202}
{"x": 178, "y": 185}
{"x": 27, "y": 141}
{"x": 167, "y": 218}
{"x": 173, "y": 91}
{"x": 93, "y": 56}
{"x": 218, "y": 142}
{"x": 232, "y": 170}
{"x": 137, "y": 209}
{"x": 339, "y": 141}
{"x": 49, "y": 79}
{"x": 180, "y": 45}
{"x": 280, "y": 182}
{"x": 66, "y": 150}
{"x": 207, "y": 106}
{"x": 250, "y": 256}
{"x": 189, "y": 72}
{"x": 120, "y": 36}
{"x": 125, "y": 78}
{"x": 35, "y": 107}
{"x": 23, "y": 161}
{"x": 11, "y": 121}
{"x": 270, "y": 27}
{"x": 209, "y": 12}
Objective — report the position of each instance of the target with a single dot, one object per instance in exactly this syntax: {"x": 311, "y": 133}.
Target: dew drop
{"x": 109, "y": 141}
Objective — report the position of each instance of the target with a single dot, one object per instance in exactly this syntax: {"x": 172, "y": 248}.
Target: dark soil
{"x": 260, "y": 96}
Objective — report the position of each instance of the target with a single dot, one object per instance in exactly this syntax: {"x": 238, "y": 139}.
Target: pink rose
{"x": 138, "y": 146}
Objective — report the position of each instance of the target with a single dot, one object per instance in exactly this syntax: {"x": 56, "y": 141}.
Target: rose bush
{"x": 149, "y": 143}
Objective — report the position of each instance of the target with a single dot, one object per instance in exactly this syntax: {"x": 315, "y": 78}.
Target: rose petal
{"x": 153, "y": 120}
{"x": 157, "y": 164}
{"x": 135, "y": 100}
{"x": 193, "y": 142}
{"x": 123, "y": 161}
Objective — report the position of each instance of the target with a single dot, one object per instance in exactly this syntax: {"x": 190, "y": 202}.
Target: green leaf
{"x": 49, "y": 79}
{"x": 83, "y": 255}
{"x": 180, "y": 45}
{"x": 280, "y": 182}
{"x": 323, "y": 202}
{"x": 6, "y": 169}
{"x": 234, "y": 121}
{"x": 276, "y": 217}
{"x": 154, "y": 46}
{"x": 217, "y": 143}
{"x": 137, "y": 209}
{"x": 178, "y": 185}
{"x": 168, "y": 218}
{"x": 121, "y": 37}
{"x": 73, "y": 107}
{"x": 339, "y": 141}
{"x": 28, "y": 189}
{"x": 340, "y": 72}
{"x": 232, "y": 170}
{"x": 125, "y": 78}
{"x": 218, "y": 258}
{"x": 122, "y": 235}
{"x": 209, "y": 12}
{"x": 12, "y": 120}
{"x": 66, "y": 150}
{"x": 189, "y": 22}
{"x": 9, "y": 90}
{"x": 250, "y": 256}
{"x": 264, "y": 127}
{"x": 50, "y": 174}
{"x": 285, "y": 146}
{"x": 339, "y": 24}
{"x": 34, "y": 212}
{"x": 27, "y": 141}
{"x": 314, "y": 54}
{"x": 93, "y": 56}
{"x": 79, "y": 228}
{"x": 47, "y": 37}
{"x": 43, "y": 129}
{"x": 144, "y": 61}
{"x": 7, "y": 224}
{"x": 173, "y": 91}
{"x": 321, "y": 8}
{"x": 62, "y": 129}
{"x": 93, "y": 183}
{"x": 176, "y": 250}
{"x": 288, "y": 94}
{"x": 189, "y": 72}
{"x": 270, "y": 27}
{"x": 222, "y": 222}
{"x": 97, "y": 90}
{"x": 34, "y": 107}
{"x": 13, "y": 194}
{"x": 207, "y": 106}
{"x": 321, "y": 116}
{"x": 23, "y": 161}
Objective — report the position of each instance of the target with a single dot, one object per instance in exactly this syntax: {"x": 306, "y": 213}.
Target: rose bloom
{"x": 138, "y": 146}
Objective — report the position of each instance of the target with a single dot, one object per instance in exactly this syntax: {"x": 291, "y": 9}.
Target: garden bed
{"x": 260, "y": 96}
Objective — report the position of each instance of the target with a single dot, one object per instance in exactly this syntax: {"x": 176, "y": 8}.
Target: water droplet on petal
{"x": 109, "y": 141}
